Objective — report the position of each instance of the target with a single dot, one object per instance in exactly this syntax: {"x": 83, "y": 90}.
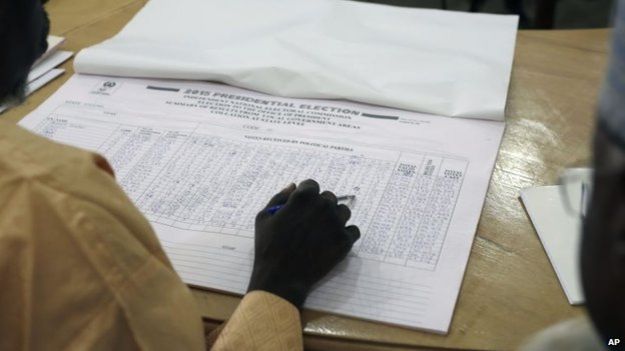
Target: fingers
{"x": 308, "y": 186}
{"x": 353, "y": 234}
{"x": 281, "y": 197}
{"x": 329, "y": 196}
{"x": 103, "y": 164}
{"x": 307, "y": 194}
{"x": 343, "y": 212}
{"x": 305, "y": 191}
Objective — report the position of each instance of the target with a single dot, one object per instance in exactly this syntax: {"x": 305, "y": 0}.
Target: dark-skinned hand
{"x": 300, "y": 243}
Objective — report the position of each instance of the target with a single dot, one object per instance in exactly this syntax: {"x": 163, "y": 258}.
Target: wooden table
{"x": 510, "y": 290}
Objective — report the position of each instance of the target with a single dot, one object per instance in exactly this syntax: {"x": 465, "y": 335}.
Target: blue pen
{"x": 273, "y": 209}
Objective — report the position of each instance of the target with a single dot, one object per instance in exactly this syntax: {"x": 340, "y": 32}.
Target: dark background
{"x": 567, "y": 14}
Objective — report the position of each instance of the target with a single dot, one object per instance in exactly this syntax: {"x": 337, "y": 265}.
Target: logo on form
{"x": 106, "y": 87}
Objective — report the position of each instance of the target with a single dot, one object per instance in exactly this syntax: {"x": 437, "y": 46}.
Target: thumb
{"x": 281, "y": 197}
{"x": 278, "y": 199}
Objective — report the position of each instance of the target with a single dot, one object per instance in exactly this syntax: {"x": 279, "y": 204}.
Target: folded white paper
{"x": 559, "y": 230}
{"x": 48, "y": 64}
{"x": 440, "y": 62}
{"x": 54, "y": 43}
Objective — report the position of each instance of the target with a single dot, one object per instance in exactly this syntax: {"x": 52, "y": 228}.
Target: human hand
{"x": 300, "y": 243}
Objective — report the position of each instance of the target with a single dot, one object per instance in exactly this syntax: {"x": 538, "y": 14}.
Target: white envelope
{"x": 440, "y": 62}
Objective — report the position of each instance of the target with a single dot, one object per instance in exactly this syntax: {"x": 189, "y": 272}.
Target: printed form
{"x": 201, "y": 159}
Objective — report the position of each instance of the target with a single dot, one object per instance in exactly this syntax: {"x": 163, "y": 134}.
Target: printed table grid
{"x": 208, "y": 183}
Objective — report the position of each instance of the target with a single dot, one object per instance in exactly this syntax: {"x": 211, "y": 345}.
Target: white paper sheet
{"x": 440, "y": 62}
{"x": 559, "y": 231}
{"x": 37, "y": 84}
{"x": 54, "y": 43}
{"x": 48, "y": 64}
{"x": 200, "y": 160}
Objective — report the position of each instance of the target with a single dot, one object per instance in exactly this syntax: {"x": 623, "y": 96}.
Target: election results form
{"x": 201, "y": 159}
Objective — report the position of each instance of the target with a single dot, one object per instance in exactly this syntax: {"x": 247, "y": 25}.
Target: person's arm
{"x": 603, "y": 239}
{"x": 262, "y": 321}
{"x": 294, "y": 248}
{"x": 80, "y": 267}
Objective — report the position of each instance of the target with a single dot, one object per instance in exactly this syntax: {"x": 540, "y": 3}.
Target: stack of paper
{"x": 44, "y": 69}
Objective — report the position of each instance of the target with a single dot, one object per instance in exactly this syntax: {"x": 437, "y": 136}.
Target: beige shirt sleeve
{"x": 261, "y": 322}
{"x": 80, "y": 267}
